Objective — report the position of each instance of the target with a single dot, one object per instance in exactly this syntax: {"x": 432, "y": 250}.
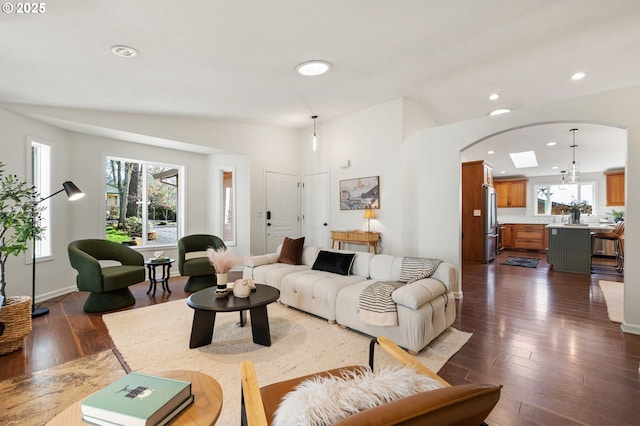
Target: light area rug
{"x": 35, "y": 398}
{"x": 156, "y": 338}
{"x": 614, "y": 297}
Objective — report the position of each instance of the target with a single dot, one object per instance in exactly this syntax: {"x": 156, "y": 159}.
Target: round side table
{"x": 164, "y": 278}
{"x": 204, "y": 410}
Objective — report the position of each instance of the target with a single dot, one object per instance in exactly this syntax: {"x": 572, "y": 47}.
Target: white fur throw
{"x": 325, "y": 400}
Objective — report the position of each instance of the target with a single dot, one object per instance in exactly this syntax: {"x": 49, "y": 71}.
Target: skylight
{"x": 524, "y": 159}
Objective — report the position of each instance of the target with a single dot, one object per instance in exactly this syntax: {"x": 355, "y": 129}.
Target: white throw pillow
{"x": 325, "y": 400}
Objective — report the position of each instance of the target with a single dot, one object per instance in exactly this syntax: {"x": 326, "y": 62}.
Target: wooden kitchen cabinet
{"x": 506, "y": 236}
{"x": 511, "y": 193}
{"x": 487, "y": 173}
{"x": 530, "y": 236}
{"x": 615, "y": 188}
{"x": 475, "y": 174}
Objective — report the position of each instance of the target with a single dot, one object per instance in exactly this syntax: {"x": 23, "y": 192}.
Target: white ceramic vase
{"x": 221, "y": 286}
{"x": 222, "y": 280}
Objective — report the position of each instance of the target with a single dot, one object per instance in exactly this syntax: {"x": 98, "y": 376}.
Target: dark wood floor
{"x": 544, "y": 335}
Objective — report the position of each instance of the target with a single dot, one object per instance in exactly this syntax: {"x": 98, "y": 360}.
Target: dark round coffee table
{"x": 206, "y": 306}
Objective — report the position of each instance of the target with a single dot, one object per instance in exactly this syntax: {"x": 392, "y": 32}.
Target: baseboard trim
{"x": 56, "y": 293}
{"x": 630, "y": 328}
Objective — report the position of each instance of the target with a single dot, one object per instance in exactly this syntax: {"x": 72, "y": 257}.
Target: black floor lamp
{"x": 73, "y": 193}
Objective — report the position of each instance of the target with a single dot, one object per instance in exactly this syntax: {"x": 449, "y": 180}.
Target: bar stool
{"x": 621, "y": 254}
{"x": 616, "y": 236}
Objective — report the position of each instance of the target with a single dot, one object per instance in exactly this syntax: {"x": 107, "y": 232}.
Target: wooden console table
{"x": 356, "y": 237}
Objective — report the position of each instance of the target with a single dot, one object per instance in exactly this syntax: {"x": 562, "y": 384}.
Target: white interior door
{"x": 315, "y": 218}
{"x": 282, "y": 218}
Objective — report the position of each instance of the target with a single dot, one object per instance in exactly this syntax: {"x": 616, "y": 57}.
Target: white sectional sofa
{"x": 425, "y": 307}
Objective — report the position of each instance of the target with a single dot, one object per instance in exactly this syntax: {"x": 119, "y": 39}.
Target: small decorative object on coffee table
{"x": 222, "y": 260}
{"x": 242, "y": 288}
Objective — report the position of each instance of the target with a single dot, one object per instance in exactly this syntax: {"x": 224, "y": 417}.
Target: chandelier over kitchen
{"x": 573, "y": 172}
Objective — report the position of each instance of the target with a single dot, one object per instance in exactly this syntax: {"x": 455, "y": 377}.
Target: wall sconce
{"x": 369, "y": 214}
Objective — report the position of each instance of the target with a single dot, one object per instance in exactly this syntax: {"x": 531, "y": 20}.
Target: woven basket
{"x": 16, "y": 316}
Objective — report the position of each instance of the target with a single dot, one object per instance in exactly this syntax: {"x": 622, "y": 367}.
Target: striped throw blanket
{"x": 376, "y": 306}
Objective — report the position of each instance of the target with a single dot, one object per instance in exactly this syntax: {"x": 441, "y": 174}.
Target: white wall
{"x": 267, "y": 148}
{"x": 79, "y": 156}
{"x": 51, "y": 275}
{"x": 414, "y": 118}
{"x": 370, "y": 139}
{"x": 437, "y": 152}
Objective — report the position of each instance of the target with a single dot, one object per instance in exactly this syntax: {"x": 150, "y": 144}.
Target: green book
{"x": 137, "y": 399}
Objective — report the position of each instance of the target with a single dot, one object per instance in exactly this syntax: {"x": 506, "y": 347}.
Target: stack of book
{"x": 137, "y": 399}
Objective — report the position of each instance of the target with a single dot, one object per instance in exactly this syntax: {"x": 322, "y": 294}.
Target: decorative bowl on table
{"x": 242, "y": 288}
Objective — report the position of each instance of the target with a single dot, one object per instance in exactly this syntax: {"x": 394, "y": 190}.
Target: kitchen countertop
{"x": 601, "y": 226}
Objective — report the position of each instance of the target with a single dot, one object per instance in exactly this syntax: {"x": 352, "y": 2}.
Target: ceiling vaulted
{"x": 236, "y": 61}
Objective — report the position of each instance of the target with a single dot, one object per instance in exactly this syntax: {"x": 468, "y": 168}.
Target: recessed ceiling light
{"x": 524, "y": 159}
{"x": 551, "y": 143}
{"x": 502, "y": 172}
{"x": 491, "y": 152}
{"x": 499, "y": 111}
{"x": 579, "y": 75}
{"x": 554, "y": 167}
{"x": 494, "y": 97}
{"x": 313, "y": 68}
{"x": 124, "y": 51}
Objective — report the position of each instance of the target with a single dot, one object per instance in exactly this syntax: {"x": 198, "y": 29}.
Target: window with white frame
{"x": 41, "y": 179}
{"x": 560, "y": 199}
{"x": 139, "y": 196}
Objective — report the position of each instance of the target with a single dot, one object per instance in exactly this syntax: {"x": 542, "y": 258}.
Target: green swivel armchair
{"x": 194, "y": 263}
{"x": 108, "y": 286}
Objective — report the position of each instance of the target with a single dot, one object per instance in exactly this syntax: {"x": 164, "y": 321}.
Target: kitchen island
{"x": 570, "y": 246}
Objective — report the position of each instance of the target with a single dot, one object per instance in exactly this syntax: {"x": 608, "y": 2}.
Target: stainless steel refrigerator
{"x": 489, "y": 223}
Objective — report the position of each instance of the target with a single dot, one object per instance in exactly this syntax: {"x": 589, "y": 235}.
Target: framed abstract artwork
{"x": 360, "y": 194}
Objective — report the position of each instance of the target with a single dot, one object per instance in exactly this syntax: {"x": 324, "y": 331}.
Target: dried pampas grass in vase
{"x": 222, "y": 261}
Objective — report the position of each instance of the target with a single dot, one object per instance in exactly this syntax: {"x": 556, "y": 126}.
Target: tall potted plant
{"x": 19, "y": 224}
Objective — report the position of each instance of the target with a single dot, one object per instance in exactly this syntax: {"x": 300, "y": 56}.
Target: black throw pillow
{"x": 338, "y": 263}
